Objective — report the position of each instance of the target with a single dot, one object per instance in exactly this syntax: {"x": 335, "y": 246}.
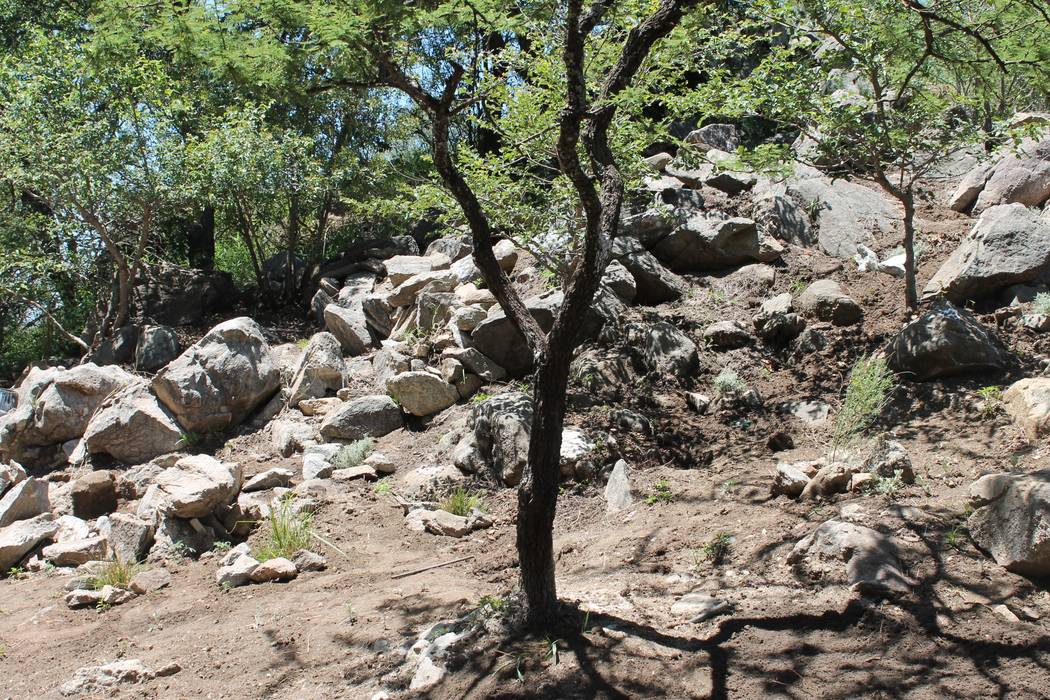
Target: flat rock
{"x": 841, "y": 552}
{"x": 696, "y": 607}
{"x": 421, "y": 393}
{"x": 827, "y": 301}
{"x": 1013, "y": 525}
{"x": 104, "y": 679}
{"x": 279, "y": 569}
{"x": 24, "y": 500}
{"x": 367, "y": 416}
{"x": 1028, "y": 403}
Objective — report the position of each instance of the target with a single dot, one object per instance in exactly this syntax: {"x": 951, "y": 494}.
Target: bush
{"x": 353, "y": 454}
{"x": 729, "y": 383}
{"x": 289, "y": 531}
{"x": 461, "y": 502}
{"x": 1041, "y": 304}
{"x": 114, "y": 573}
{"x": 870, "y": 384}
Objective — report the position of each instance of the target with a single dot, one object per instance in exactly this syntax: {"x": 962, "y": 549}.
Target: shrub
{"x": 461, "y": 502}
{"x": 867, "y": 394}
{"x": 729, "y": 383}
{"x": 114, "y": 573}
{"x": 717, "y": 549}
{"x": 289, "y": 531}
{"x": 353, "y": 454}
{"x": 1041, "y": 303}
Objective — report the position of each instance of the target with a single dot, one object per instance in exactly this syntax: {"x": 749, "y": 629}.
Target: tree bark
{"x": 911, "y": 294}
{"x": 200, "y": 240}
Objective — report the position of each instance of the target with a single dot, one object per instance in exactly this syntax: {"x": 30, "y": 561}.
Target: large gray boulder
{"x": 710, "y": 244}
{"x": 55, "y": 406}
{"x": 421, "y": 393}
{"x": 221, "y": 379}
{"x": 19, "y": 539}
{"x": 851, "y": 554}
{"x": 723, "y": 137}
{"x": 1028, "y": 403}
{"x": 945, "y": 341}
{"x": 321, "y": 371}
{"x": 193, "y": 488}
{"x": 1021, "y": 178}
{"x": 1008, "y": 245}
{"x": 350, "y": 325}
{"x": 502, "y": 429}
{"x": 10, "y": 474}
{"x": 654, "y": 283}
{"x": 497, "y": 338}
{"x": 400, "y": 267}
{"x": 24, "y": 500}
{"x": 133, "y": 427}
{"x": 668, "y": 351}
{"x": 826, "y": 300}
{"x": 157, "y": 346}
{"x": 1012, "y": 520}
{"x": 367, "y": 416}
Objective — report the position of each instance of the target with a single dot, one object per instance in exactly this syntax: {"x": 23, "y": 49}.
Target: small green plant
{"x": 870, "y": 384}
{"x": 182, "y": 549}
{"x": 955, "y": 537}
{"x": 115, "y": 572}
{"x": 991, "y": 398}
{"x": 461, "y": 502}
{"x": 382, "y": 487}
{"x": 222, "y": 546}
{"x": 797, "y": 286}
{"x": 888, "y": 486}
{"x": 550, "y": 278}
{"x": 289, "y": 531}
{"x": 727, "y": 487}
{"x": 16, "y": 572}
{"x": 353, "y": 454}
{"x": 729, "y": 383}
{"x": 351, "y": 613}
{"x": 717, "y": 549}
{"x": 302, "y": 343}
{"x": 660, "y": 492}
{"x": 102, "y": 606}
{"x": 1041, "y": 303}
{"x": 188, "y": 440}
{"x": 492, "y": 602}
{"x": 480, "y": 397}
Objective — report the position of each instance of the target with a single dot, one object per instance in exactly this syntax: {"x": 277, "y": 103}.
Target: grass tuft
{"x": 717, "y": 549}
{"x": 729, "y": 383}
{"x": 353, "y": 454}
{"x": 660, "y": 492}
{"x": 115, "y": 573}
{"x": 870, "y": 384}
{"x": 289, "y": 531}
{"x": 461, "y": 502}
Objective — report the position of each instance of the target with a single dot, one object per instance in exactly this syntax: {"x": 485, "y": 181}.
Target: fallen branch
{"x": 432, "y": 566}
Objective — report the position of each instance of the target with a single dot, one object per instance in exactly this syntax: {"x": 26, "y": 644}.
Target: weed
{"x": 16, "y": 572}
{"x": 991, "y": 397}
{"x": 660, "y": 492}
{"x": 289, "y": 531}
{"x": 729, "y": 383}
{"x": 480, "y": 397}
{"x": 717, "y": 549}
{"x": 727, "y": 487}
{"x": 382, "y": 487}
{"x": 888, "y": 486}
{"x": 1041, "y": 303}
{"x": 102, "y": 606}
{"x": 867, "y": 394}
{"x": 302, "y": 343}
{"x": 955, "y": 537}
{"x": 351, "y": 613}
{"x": 797, "y": 286}
{"x": 353, "y": 454}
{"x": 222, "y": 546}
{"x": 116, "y": 573}
{"x": 182, "y": 549}
{"x": 461, "y": 502}
{"x": 188, "y": 440}
{"x": 493, "y": 603}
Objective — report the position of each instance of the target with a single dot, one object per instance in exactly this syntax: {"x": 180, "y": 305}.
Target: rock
{"x": 438, "y": 522}
{"x": 806, "y": 411}
{"x": 1040, "y": 323}
{"x": 945, "y": 341}
{"x": 618, "y": 279}
{"x": 150, "y": 581}
{"x": 467, "y": 318}
{"x": 21, "y": 537}
{"x": 477, "y": 363}
{"x": 469, "y": 294}
{"x": 76, "y": 552}
{"x": 427, "y": 675}
{"x": 10, "y": 474}
{"x": 118, "y": 349}
{"x": 842, "y": 552}
{"x": 831, "y": 479}
{"x": 305, "y": 560}
{"x": 94, "y": 494}
{"x": 129, "y": 537}
{"x": 55, "y": 407}
{"x": 317, "y": 461}
{"x": 72, "y": 528}
{"x": 668, "y": 351}
{"x": 783, "y": 218}
{"x": 321, "y": 371}
{"x": 132, "y": 426}
{"x": 406, "y": 293}
{"x": 157, "y": 346}
{"x": 368, "y": 416}
{"x": 789, "y": 481}
{"x": 319, "y": 407}
{"x": 421, "y": 393}
{"x": 778, "y": 328}
{"x": 506, "y": 255}
{"x": 497, "y": 338}
{"x": 1008, "y": 245}
{"x": 195, "y": 486}
{"x": 291, "y": 436}
{"x": 697, "y": 607}
{"x": 269, "y": 479}
{"x": 697, "y": 402}
{"x": 659, "y": 161}
{"x": 1028, "y": 403}
{"x": 827, "y": 301}
{"x": 1013, "y": 525}
{"x": 26, "y": 499}
{"x": 706, "y": 244}
{"x": 279, "y": 569}
{"x": 380, "y": 463}
{"x": 82, "y": 598}
{"x": 655, "y": 284}
{"x": 181, "y": 297}
{"x": 1022, "y": 178}
{"x": 92, "y": 680}
{"x": 723, "y": 137}
{"x": 362, "y": 471}
{"x": 575, "y": 447}
{"x": 350, "y": 326}
{"x": 887, "y": 459}
{"x": 618, "y": 488}
{"x": 221, "y": 379}
{"x": 727, "y": 335}
{"x": 237, "y": 571}
{"x": 452, "y": 247}
{"x": 400, "y": 267}
{"x": 502, "y": 428}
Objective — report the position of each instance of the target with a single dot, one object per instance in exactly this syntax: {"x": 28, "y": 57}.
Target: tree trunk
{"x": 292, "y": 245}
{"x": 911, "y": 296}
{"x": 200, "y": 240}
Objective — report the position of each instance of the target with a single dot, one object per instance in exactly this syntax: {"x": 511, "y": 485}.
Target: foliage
{"x": 888, "y": 486}
{"x": 462, "y": 502}
{"x": 729, "y": 383}
{"x": 116, "y": 573}
{"x": 353, "y": 454}
{"x": 1041, "y": 303}
{"x": 991, "y": 398}
{"x": 867, "y": 393}
{"x": 659, "y": 492}
{"x": 289, "y": 530}
{"x": 716, "y": 550}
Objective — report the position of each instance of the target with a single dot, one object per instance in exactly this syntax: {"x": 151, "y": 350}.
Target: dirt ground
{"x": 337, "y": 633}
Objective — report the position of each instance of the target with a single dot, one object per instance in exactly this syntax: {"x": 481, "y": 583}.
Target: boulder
{"x": 118, "y": 349}
{"x": 711, "y": 244}
{"x": 221, "y": 379}
{"x": 842, "y": 552}
{"x": 789, "y": 481}
{"x": 727, "y": 335}
{"x": 477, "y": 363}
{"x": 94, "y": 494}
{"x": 150, "y": 581}
{"x": 452, "y": 247}
{"x": 269, "y": 479}
{"x": 132, "y": 426}
{"x": 1022, "y": 178}
{"x": 829, "y": 480}
{"x": 176, "y": 296}
{"x": 26, "y": 499}
{"x": 778, "y": 328}
{"x": 668, "y": 351}
{"x": 438, "y": 522}
{"x": 291, "y": 436}
{"x": 1008, "y": 245}
{"x": 945, "y": 341}
{"x": 76, "y": 552}
{"x": 421, "y": 393}
{"x": 400, "y": 267}
{"x": 236, "y": 569}
{"x": 193, "y": 488}
{"x": 129, "y": 537}
{"x": 618, "y": 488}
{"x": 619, "y": 279}
{"x": 157, "y": 346}
{"x": 783, "y": 218}
{"x": 887, "y": 459}
{"x": 1028, "y": 403}
{"x": 349, "y": 325}
{"x": 55, "y": 407}
{"x": 305, "y": 560}
{"x": 497, "y": 338}
{"x": 278, "y": 569}
{"x": 655, "y": 284}
{"x": 506, "y": 255}
{"x": 406, "y": 293}
{"x": 103, "y": 680}
{"x": 502, "y": 428}
{"x": 20, "y": 538}
{"x": 10, "y": 474}
{"x": 658, "y": 161}
{"x": 825, "y": 300}
{"x": 723, "y": 137}
{"x": 1012, "y": 523}
{"x": 367, "y": 416}
{"x": 321, "y": 371}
